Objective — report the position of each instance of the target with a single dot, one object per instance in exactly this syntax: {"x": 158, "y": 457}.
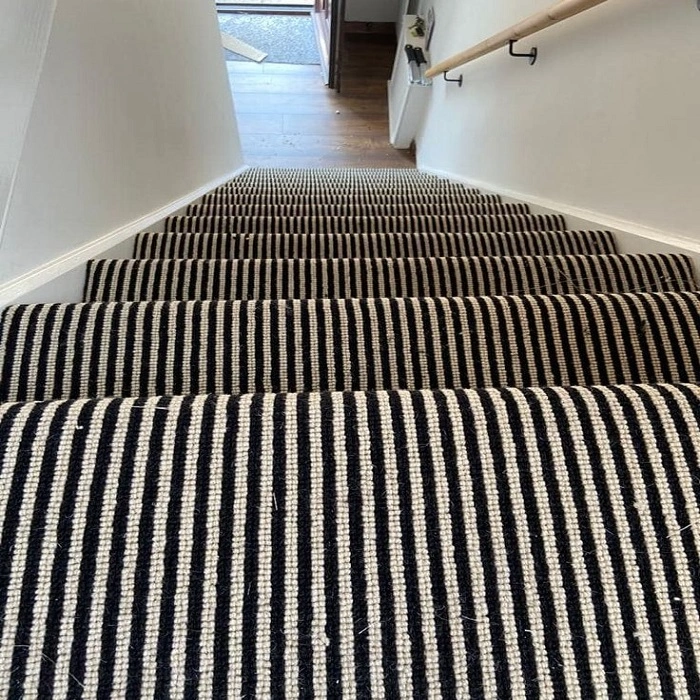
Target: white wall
{"x": 133, "y": 112}
{"x": 607, "y": 121}
{"x": 24, "y": 34}
{"x": 371, "y": 10}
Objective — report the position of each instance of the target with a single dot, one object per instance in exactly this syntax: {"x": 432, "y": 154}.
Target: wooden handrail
{"x": 536, "y": 23}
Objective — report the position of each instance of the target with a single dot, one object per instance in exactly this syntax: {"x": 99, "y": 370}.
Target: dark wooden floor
{"x": 289, "y": 118}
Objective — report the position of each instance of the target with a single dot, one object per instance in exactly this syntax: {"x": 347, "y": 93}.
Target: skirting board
{"x": 61, "y": 278}
{"x": 631, "y": 237}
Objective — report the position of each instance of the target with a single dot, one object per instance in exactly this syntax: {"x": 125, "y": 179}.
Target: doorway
{"x": 327, "y": 21}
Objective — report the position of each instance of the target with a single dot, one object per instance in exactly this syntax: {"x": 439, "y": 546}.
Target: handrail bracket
{"x": 459, "y": 80}
{"x": 532, "y": 55}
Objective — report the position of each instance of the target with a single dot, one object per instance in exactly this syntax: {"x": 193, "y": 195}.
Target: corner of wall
{"x": 61, "y": 279}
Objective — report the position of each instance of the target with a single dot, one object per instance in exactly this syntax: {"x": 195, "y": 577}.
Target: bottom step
{"x": 400, "y": 545}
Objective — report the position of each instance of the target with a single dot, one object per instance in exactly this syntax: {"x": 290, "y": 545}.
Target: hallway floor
{"x": 289, "y": 118}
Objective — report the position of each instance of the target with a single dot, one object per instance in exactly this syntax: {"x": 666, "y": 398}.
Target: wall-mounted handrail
{"x": 536, "y": 23}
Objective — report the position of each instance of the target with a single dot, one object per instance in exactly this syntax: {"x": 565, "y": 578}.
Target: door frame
{"x": 329, "y": 34}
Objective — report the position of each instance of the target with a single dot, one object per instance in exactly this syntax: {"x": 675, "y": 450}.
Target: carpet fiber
{"x": 284, "y": 38}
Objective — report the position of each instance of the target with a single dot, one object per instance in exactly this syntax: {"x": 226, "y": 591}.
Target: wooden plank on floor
{"x": 241, "y": 48}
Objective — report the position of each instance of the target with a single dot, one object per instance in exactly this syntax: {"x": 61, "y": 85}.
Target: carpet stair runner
{"x": 344, "y": 444}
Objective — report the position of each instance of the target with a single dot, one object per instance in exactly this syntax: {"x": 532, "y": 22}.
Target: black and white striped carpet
{"x": 358, "y": 434}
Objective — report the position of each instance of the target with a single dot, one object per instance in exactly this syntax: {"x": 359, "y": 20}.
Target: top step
{"x": 275, "y": 175}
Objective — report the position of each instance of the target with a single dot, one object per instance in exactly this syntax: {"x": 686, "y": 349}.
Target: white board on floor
{"x": 241, "y": 48}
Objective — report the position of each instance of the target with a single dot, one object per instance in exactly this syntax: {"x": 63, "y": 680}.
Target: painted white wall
{"x": 371, "y": 10}
{"x": 607, "y": 121}
{"x": 24, "y": 35}
{"x": 133, "y": 112}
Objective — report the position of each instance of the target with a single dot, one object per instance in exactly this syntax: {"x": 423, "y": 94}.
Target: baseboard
{"x": 632, "y": 237}
{"x": 66, "y": 264}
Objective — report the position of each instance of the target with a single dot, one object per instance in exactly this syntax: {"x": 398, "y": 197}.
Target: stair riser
{"x": 355, "y": 245}
{"x": 146, "y": 280}
{"x": 367, "y": 224}
{"x": 240, "y": 347}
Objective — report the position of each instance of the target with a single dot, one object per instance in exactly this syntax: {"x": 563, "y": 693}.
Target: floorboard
{"x": 288, "y": 118}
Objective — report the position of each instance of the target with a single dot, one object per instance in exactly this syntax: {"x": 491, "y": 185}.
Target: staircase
{"x": 358, "y": 433}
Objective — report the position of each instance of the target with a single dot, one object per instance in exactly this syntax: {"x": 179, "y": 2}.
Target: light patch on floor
{"x": 230, "y": 43}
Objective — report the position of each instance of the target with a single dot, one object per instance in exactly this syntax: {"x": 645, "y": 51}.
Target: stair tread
{"x": 254, "y": 195}
{"x": 194, "y": 537}
{"x": 147, "y": 348}
{"x": 369, "y": 245}
{"x": 134, "y": 280}
{"x": 353, "y": 209}
{"x": 366, "y": 224}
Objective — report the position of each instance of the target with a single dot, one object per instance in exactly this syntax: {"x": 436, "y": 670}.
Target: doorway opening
{"x": 303, "y": 32}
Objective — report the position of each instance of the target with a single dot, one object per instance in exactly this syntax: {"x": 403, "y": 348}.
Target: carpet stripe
{"x": 244, "y": 449}
{"x": 346, "y": 628}
{"x": 267, "y": 503}
{"x": 318, "y": 623}
{"x": 291, "y": 584}
{"x": 374, "y": 620}
{"x": 157, "y": 563}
